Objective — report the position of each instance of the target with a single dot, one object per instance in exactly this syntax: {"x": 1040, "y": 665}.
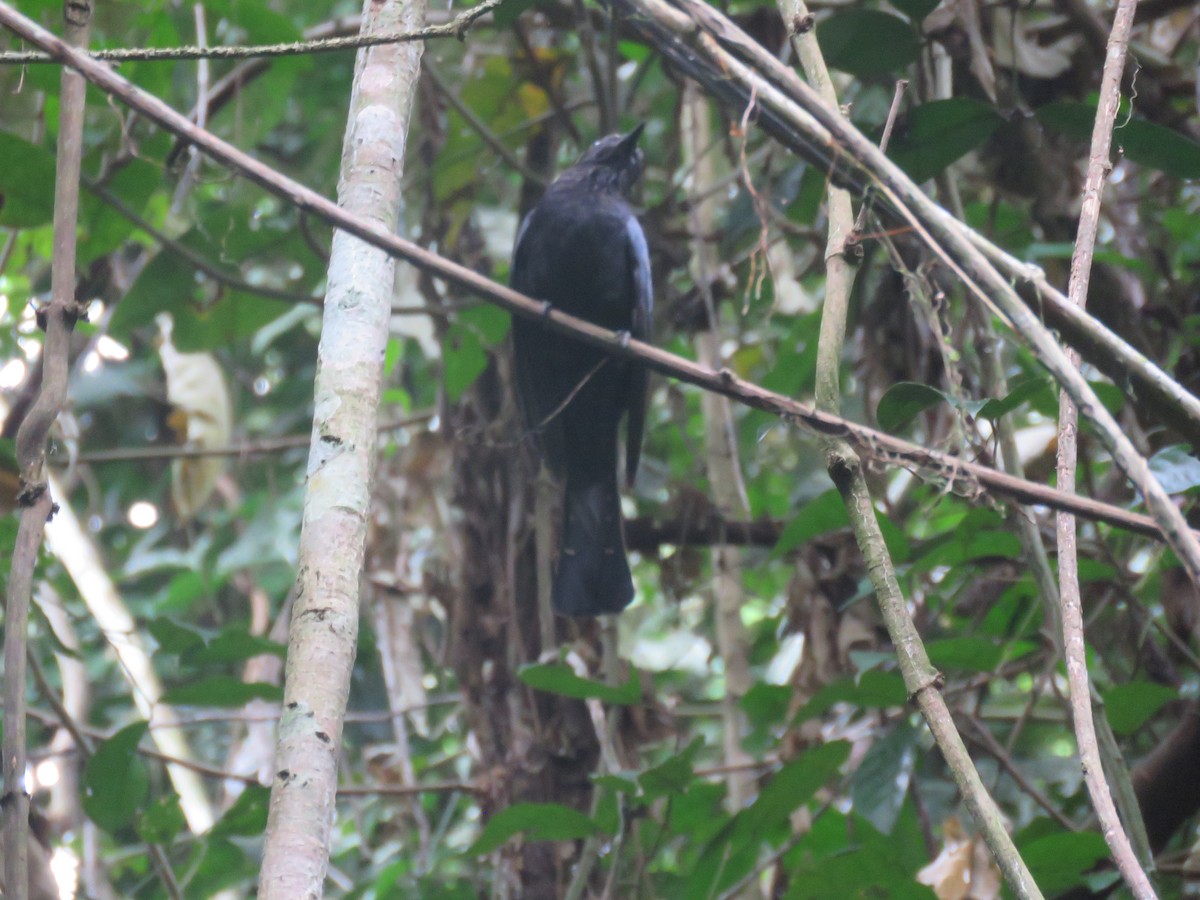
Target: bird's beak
{"x": 629, "y": 142}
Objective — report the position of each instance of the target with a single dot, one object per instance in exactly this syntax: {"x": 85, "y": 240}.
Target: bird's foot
{"x": 623, "y": 338}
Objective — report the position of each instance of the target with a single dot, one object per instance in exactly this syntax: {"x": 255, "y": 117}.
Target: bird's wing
{"x": 641, "y": 327}
{"x": 528, "y": 276}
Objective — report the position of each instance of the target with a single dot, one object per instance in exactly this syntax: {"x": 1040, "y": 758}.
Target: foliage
{"x": 848, "y": 798}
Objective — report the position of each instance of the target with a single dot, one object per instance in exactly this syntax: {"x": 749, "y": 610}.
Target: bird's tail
{"x": 593, "y": 577}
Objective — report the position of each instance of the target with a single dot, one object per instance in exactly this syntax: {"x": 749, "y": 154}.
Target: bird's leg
{"x": 624, "y": 337}
{"x": 547, "y": 308}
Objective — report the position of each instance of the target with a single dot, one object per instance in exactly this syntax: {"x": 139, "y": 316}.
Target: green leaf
{"x": 464, "y": 349}
{"x": 234, "y": 645}
{"x": 766, "y": 704}
{"x": 537, "y": 822}
{"x": 821, "y": 515}
{"x": 1143, "y": 142}
{"x": 559, "y": 678}
{"x": 1130, "y": 706}
{"x": 941, "y": 132}
{"x": 733, "y": 849}
{"x": 881, "y": 781}
{"x": 1159, "y": 147}
{"x": 993, "y": 409}
{"x": 793, "y": 786}
{"x": 873, "y": 689}
{"x": 221, "y": 691}
{"x": 222, "y": 865}
{"x": 916, "y": 10}
{"x": 162, "y": 822}
{"x": 866, "y": 42}
{"x": 975, "y": 654}
{"x": 1176, "y": 469}
{"x": 507, "y": 13}
{"x": 1059, "y": 861}
{"x": 115, "y": 779}
{"x": 26, "y": 183}
{"x": 173, "y": 637}
{"x": 672, "y": 776}
{"x": 248, "y": 815}
{"x": 902, "y": 402}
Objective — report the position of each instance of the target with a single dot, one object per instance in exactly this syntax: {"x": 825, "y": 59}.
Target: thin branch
{"x": 921, "y": 679}
{"x": 244, "y": 448}
{"x": 197, "y": 260}
{"x": 964, "y": 475}
{"x": 455, "y": 28}
{"x": 450, "y": 95}
{"x": 58, "y": 319}
{"x": 697, "y": 37}
{"x": 83, "y": 742}
{"x": 1074, "y": 641}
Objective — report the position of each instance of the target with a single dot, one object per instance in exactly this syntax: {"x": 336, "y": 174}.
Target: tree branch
{"x": 969, "y": 478}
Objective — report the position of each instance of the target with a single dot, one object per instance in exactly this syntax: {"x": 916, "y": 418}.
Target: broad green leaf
{"x": 221, "y": 691}
{"x": 537, "y": 822}
{"x": 1146, "y": 143}
{"x": 234, "y": 645}
{"x": 902, "y": 402}
{"x": 115, "y": 779}
{"x": 1176, "y": 469}
{"x": 872, "y": 689}
{"x": 1020, "y": 393}
{"x": 819, "y": 516}
{"x": 248, "y": 815}
{"x": 559, "y": 678}
{"x": 162, "y": 822}
{"x": 173, "y": 637}
{"x": 939, "y": 133}
{"x": 880, "y": 783}
{"x": 793, "y": 786}
{"x": 975, "y": 654}
{"x": 672, "y": 776}
{"x": 766, "y": 704}
{"x": 866, "y": 42}
{"x": 916, "y": 10}
{"x": 464, "y": 349}
{"x": 26, "y": 183}
{"x": 222, "y": 864}
{"x": 732, "y": 851}
{"x": 508, "y": 11}
{"x": 1059, "y": 861}
{"x": 1130, "y": 706}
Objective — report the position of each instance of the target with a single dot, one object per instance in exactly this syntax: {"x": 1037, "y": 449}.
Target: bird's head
{"x": 614, "y": 162}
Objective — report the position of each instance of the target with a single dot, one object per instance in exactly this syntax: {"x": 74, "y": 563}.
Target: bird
{"x": 581, "y": 250}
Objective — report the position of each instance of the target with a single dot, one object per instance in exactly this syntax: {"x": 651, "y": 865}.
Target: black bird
{"x": 582, "y": 250}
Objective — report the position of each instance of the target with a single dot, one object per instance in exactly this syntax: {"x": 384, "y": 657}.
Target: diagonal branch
{"x": 455, "y": 28}
{"x": 851, "y": 157}
{"x": 58, "y": 319}
{"x": 966, "y": 476}
{"x": 1074, "y": 644}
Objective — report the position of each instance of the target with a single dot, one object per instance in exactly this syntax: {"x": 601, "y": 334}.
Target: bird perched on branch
{"x": 582, "y": 250}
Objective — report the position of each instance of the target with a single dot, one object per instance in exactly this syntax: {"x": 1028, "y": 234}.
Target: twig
{"x": 197, "y": 260}
{"x": 245, "y": 448}
{"x": 455, "y": 28}
{"x": 1074, "y": 644}
{"x": 921, "y": 679}
{"x": 158, "y": 855}
{"x": 874, "y": 444}
{"x": 480, "y": 127}
{"x": 985, "y": 738}
{"x": 884, "y": 140}
{"x": 58, "y": 319}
